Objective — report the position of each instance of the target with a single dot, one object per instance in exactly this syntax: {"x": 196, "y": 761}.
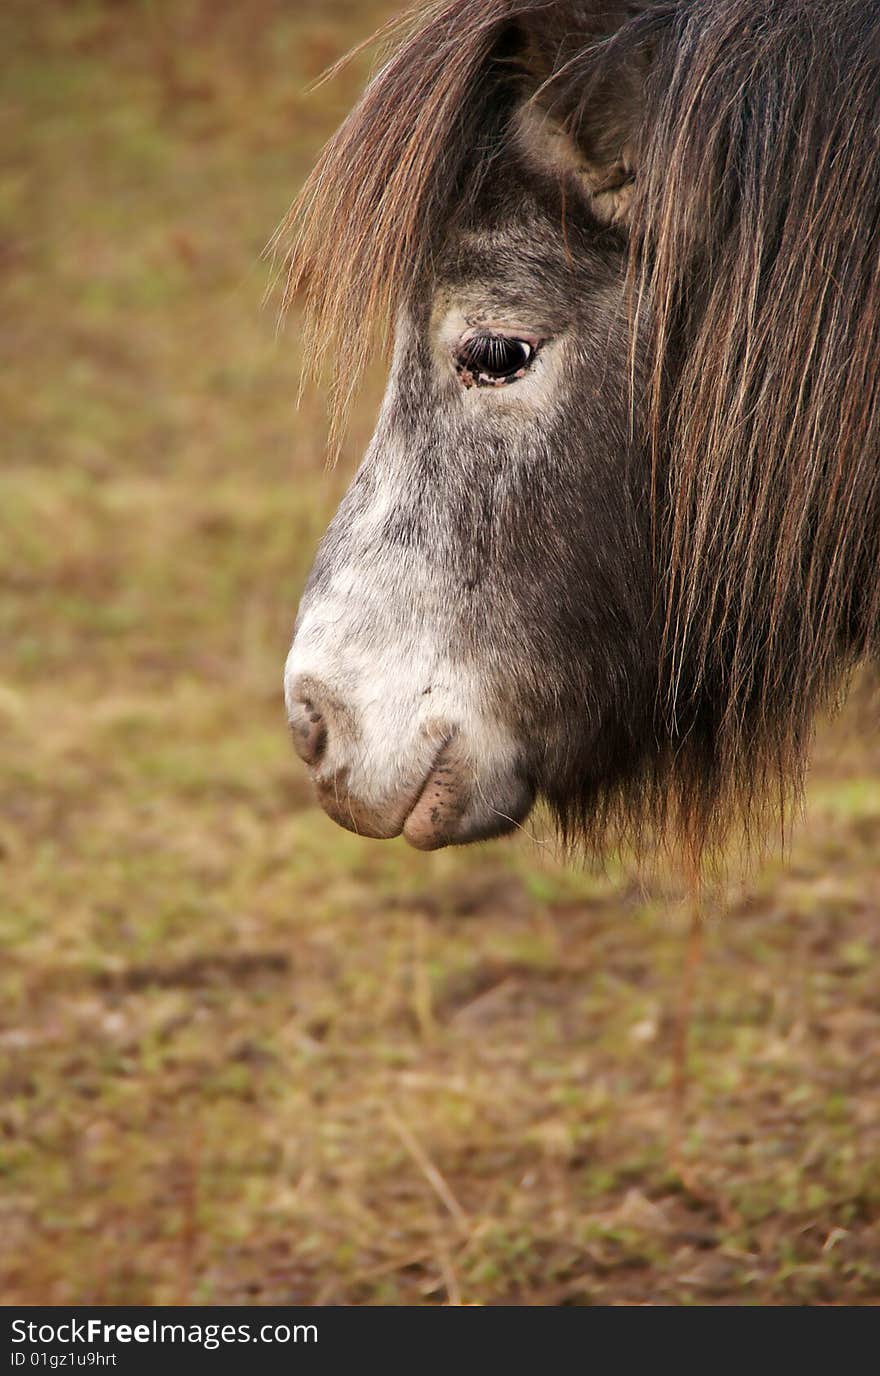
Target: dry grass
{"x": 248, "y": 1057}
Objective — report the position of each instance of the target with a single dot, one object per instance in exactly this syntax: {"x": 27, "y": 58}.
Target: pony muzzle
{"x": 439, "y": 796}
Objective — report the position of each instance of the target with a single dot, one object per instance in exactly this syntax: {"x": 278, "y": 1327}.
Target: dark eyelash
{"x": 493, "y": 359}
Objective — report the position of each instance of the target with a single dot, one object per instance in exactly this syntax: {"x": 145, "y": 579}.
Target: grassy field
{"x": 247, "y": 1057}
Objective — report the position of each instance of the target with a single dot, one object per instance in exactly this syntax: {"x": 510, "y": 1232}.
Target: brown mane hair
{"x": 756, "y": 230}
{"x": 754, "y": 259}
{"x": 364, "y": 224}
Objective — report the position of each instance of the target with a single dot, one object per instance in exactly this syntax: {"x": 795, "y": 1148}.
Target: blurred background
{"x": 246, "y": 1057}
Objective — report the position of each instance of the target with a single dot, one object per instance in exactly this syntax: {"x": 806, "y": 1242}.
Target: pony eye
{"x": 491, "y": 360}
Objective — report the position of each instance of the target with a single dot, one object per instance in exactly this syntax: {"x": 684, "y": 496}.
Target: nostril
{"x": 309, "y": 731}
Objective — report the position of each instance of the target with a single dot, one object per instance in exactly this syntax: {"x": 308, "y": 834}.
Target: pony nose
{"x": 308, "y": 720}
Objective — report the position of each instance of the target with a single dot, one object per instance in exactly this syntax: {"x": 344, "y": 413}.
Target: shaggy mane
{"x": 755, "y": 240}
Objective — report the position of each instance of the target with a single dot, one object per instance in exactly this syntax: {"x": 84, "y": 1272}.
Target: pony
{"x": 616, "y": 538}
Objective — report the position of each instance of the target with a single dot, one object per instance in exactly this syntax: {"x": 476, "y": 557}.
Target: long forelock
{"x": 369, "y": 216}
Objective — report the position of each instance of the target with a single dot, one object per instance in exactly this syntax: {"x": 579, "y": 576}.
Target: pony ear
{"x": 605, "y": 175}
{"x": 583, "y": 107}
